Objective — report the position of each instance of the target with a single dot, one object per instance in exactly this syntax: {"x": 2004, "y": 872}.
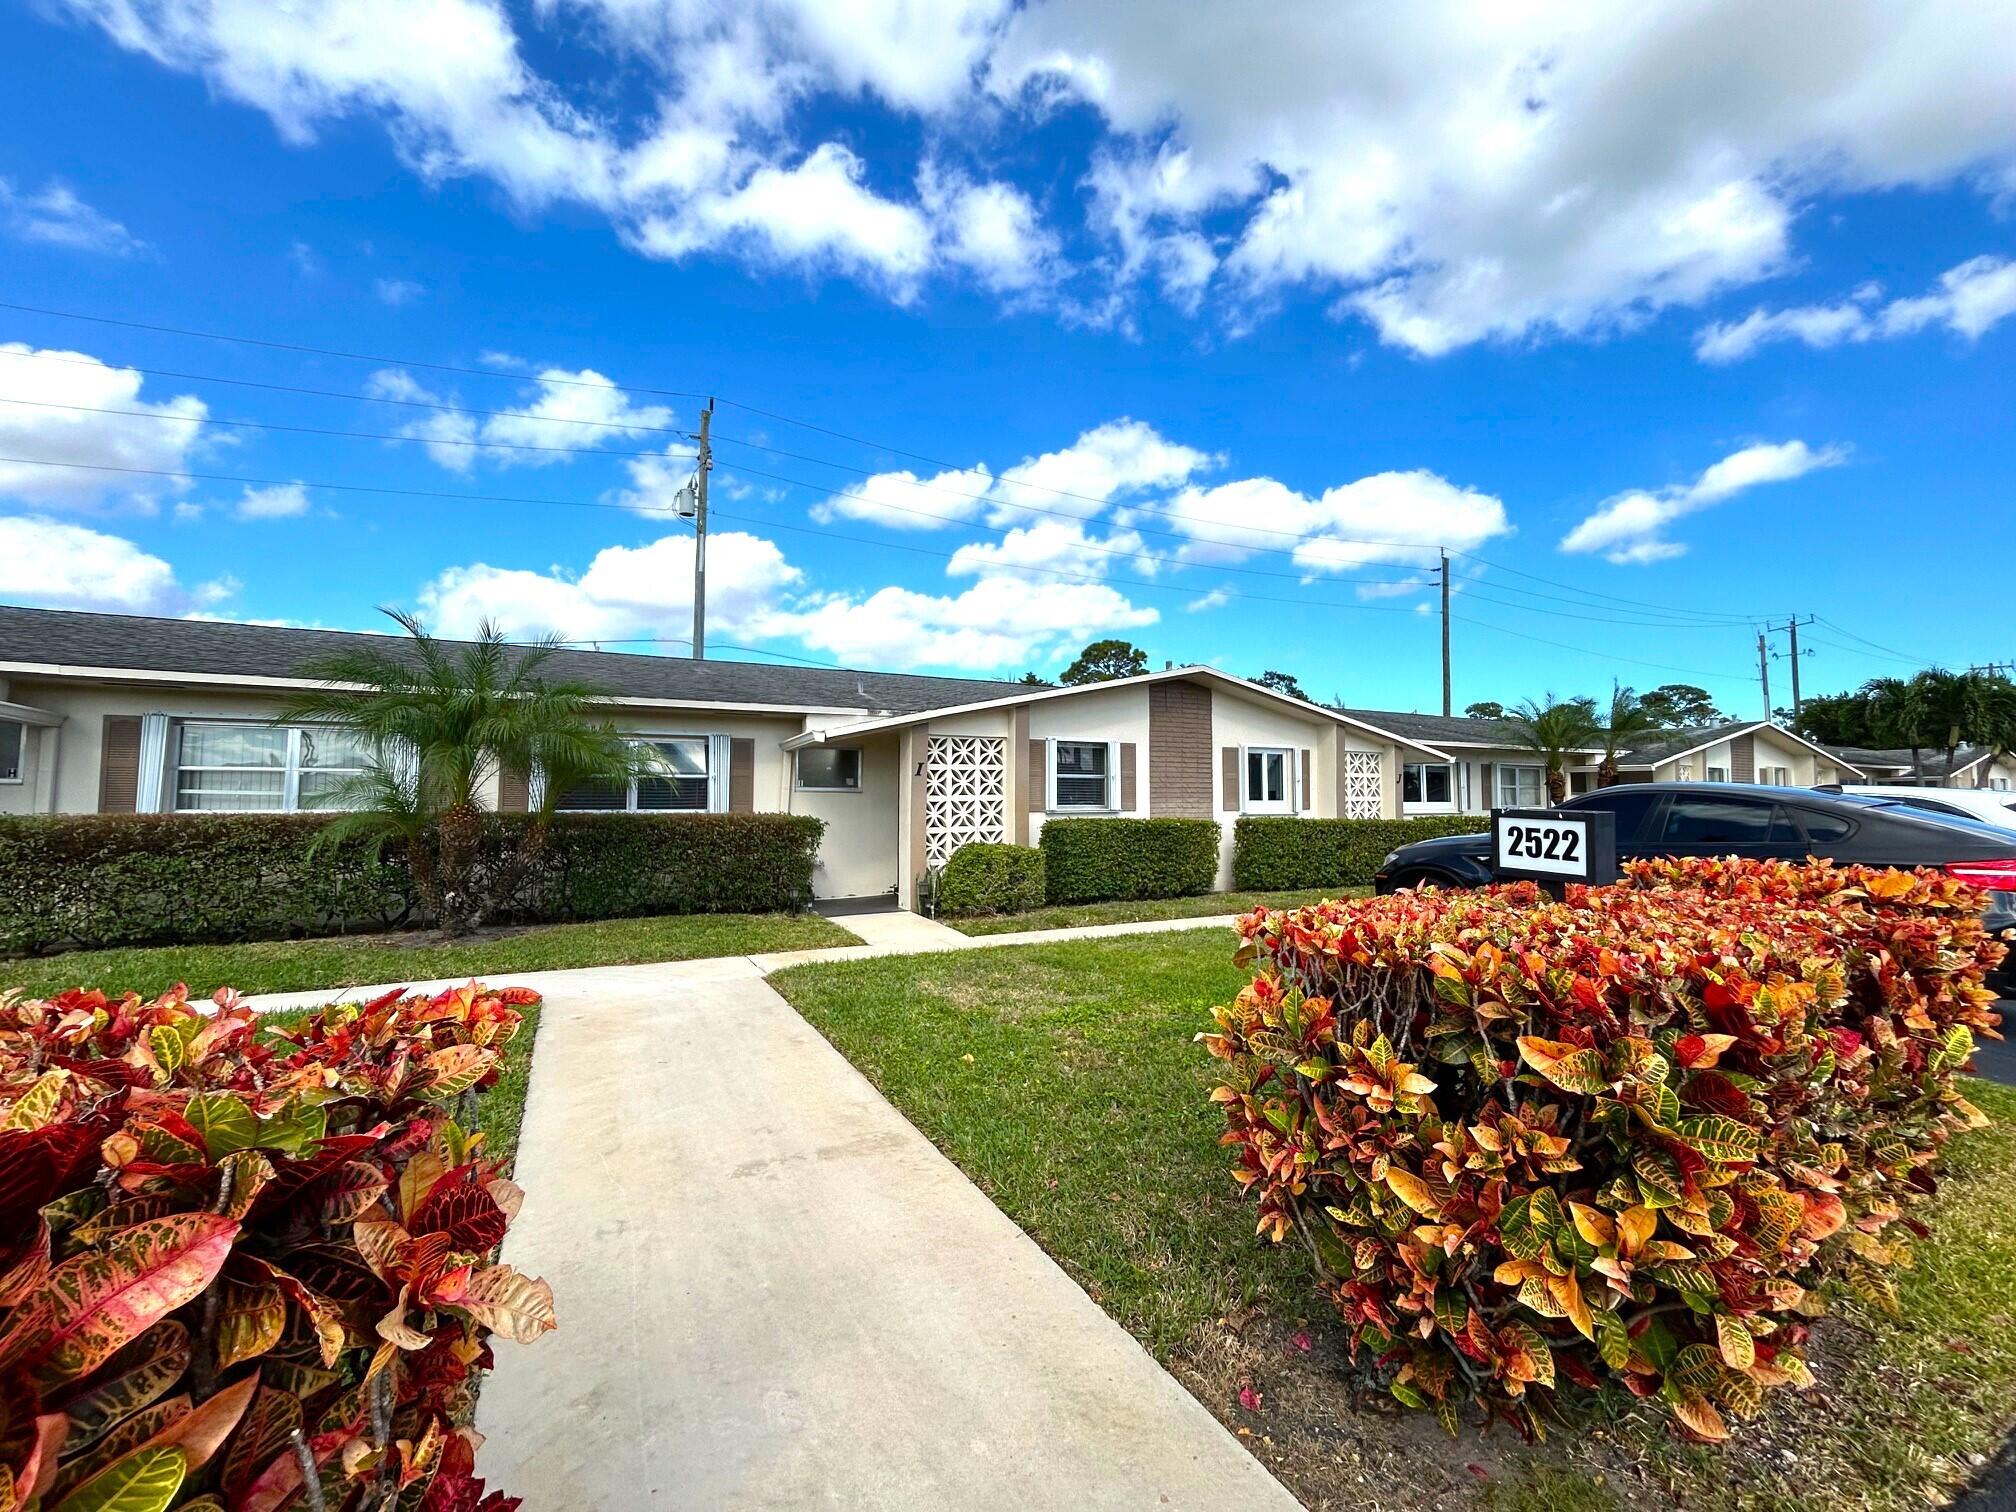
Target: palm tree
{"x": 1629, "y": 718}
{"x": 1897, "y": 717}
{"x": 440, "y": 721}
{"x": 1996, "y": 711}
{"x": 1948, "y": 707}
{"x": 1556, "y": 729}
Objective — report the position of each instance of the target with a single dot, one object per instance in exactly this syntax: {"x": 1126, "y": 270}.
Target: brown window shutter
{"x": 1039, "y": 776}
{"x": 1228, "y": 764}
{"x": 1486, "y": 775}
{"x": 119, "y": 765}
{"x": 1127, "y": 776}
{"x": 514, "y": 792}
{"x": 742, "y": 775}
{"x": 1308, "y": 787}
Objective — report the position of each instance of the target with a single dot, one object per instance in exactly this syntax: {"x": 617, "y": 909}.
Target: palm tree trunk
{"x": 1606, "y": 772}
{"x": 1557, "y": 783}
{"x": 461, "y": 839}
{"x": 1918, "y": 764}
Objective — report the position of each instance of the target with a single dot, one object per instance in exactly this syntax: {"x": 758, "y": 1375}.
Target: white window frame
{"x": 20, "y": 753}
{"x": 1111, "y": 803}
{"x": 1511, "y": 769}
{"x": 717, "y": 764}
{"x": 1291, "y": 766}
{"x": 1428, "y": 805}
{"x": 799, "y": 783}
{"x": 167, "y": 760}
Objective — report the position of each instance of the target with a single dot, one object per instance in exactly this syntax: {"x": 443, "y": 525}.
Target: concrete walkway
{"x": 775, "y": 1293}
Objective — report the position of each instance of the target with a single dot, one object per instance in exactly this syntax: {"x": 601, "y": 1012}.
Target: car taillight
{"x": 1999, "y": 875}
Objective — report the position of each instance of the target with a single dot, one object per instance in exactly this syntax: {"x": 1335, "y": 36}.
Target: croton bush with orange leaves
{"x": 250, "y": 1269}
{"x": 1630, "y": 1135}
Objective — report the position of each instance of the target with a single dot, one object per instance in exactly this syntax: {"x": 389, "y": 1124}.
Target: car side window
{"x": 1629, "y": 803}
{"x": 1731, "y": 820}
{"x": 1825, "y": 829}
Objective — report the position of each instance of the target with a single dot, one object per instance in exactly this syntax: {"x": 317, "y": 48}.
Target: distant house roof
{"x": 1668, "y": 745}
{"x": 75, "y": 642}
{"x": 1901, "y": 760}
{"x": 1450, "y": 729}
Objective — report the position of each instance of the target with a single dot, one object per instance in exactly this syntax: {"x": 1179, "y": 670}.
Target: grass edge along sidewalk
{"x": 340, "y": 961}
{"x": 1062, "y": 1079}
{"x": 1195, "y": 906}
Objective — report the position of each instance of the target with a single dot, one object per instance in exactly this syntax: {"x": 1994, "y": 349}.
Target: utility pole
{"x": 1764, "y": 672}
{"x": 1445, "y": 635}
{"x": 706, "y": 464}
{"x": 1791, "y": 627}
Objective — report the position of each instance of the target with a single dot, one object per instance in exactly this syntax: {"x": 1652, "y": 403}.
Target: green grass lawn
{"x": 1062, "y": 1078}
{"x": 286, "y": 965}
{"x": 1071, "y": 915}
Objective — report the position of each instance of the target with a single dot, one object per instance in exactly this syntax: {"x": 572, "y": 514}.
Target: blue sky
{"x": 1665, "y": 321}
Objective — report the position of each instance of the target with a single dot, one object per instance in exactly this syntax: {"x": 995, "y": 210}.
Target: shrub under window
{"x": 1094, "y": 860}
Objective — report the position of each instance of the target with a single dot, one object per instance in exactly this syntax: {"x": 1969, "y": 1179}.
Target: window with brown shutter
{"x": 741, "y": 775}
{"x": 1127, "y": 776}
{"x": 1228, "y": 770}
{"x": 119, "y": 764}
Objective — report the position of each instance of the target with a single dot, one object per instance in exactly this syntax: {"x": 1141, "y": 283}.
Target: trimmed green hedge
{"x": 80, "y": 882}
{"x": 1270, "y": 854}
{"x": 1095, "y": 860}
{"x": 983, "y": 878}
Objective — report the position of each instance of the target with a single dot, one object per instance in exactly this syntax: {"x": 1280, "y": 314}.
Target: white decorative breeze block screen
{"x": 965, "y": 793}
{"x": 1363, "y": 781}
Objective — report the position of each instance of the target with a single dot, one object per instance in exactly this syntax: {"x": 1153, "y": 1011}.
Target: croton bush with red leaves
{"x": 246, "y": 1268}
{"x": 1628, "y": 1135}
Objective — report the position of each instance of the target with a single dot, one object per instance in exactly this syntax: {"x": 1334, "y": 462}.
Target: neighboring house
{"x": 1973, "y": 766}
{"x": 1736, "y": 751}
{"x": 1486, "y": 767}
{"x": 122, "y": 714}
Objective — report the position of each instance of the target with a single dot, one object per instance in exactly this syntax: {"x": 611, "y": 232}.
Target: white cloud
{"x": 58, "y": 565}
{"x": 1107, "y": 464}
{"x": 1452, "y": 174}
{"x": 397, "y": 292}
{"x": 1458, "y": 173}
{"x": 55, "y": 217}
{"x": 164, "y": 442}
{"x": 626, "y": 591}
{"x": 1628, "y": 529}
{"x": 1391, "y": 517}
{"x": 281, "y": 501}
{"x": 1051, "y": 548}
{"x": 567, "y": 410}
{"x": 998, "y": 622}
{"x": 1217, "y": 598}
{"x": 1968, "y": 300}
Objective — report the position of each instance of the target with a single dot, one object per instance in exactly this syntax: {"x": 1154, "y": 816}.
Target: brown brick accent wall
{"x": 1742, "y": 759}
{"x": 741, "y": 775}
{"x": 1127, "y": 776}
{"x": 119, "y": 764}
{"x": 1179, "y": 751}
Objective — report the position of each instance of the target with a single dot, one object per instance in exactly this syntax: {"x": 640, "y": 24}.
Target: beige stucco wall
{"x": 858, "y": 856}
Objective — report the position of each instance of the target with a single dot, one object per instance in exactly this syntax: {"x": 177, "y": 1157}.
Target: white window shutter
{"x": 717, "y": 774}
{"x": 153, "y": 763}
{"x": 1112, "y": 776}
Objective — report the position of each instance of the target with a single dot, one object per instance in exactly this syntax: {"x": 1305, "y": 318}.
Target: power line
{"x": 1887, "y": 650}
{"x": 1590, "y": 651}
{"x": 315, "y": 351}
{"x": 682, "y": 640}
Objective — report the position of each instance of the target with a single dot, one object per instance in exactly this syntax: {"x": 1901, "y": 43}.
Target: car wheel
{"x": 1422, "y": 879}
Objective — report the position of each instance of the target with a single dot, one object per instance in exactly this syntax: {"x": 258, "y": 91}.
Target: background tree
{"x": 1676, "y": 706}
{"x": 1104, "y": 660}
{"x": 440, "y": 720}
{"x": 1486, "y": 709}
{"x": 1627, "y": 722}
{"x": 1949, "y": 704}
{"x": 1031, "y": 680}
{"x": 1556, "y": 729}
{"x": 1896, "y": 716}
{"x": 1837, "y": 719}
{"x": 1995, "y": 722}
{"x": 1283, "y": 682}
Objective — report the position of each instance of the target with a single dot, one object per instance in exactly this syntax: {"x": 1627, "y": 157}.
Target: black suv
{"x": 1738, "y": 819}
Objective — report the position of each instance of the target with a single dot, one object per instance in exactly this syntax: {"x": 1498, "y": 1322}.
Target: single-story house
{"x": 120, "y": 714}
{"x": 1972, "y": 766}
{"x": 1488, "y": 769}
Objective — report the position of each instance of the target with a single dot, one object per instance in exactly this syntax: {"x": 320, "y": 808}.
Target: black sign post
{"x": 1553, "y": 846}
